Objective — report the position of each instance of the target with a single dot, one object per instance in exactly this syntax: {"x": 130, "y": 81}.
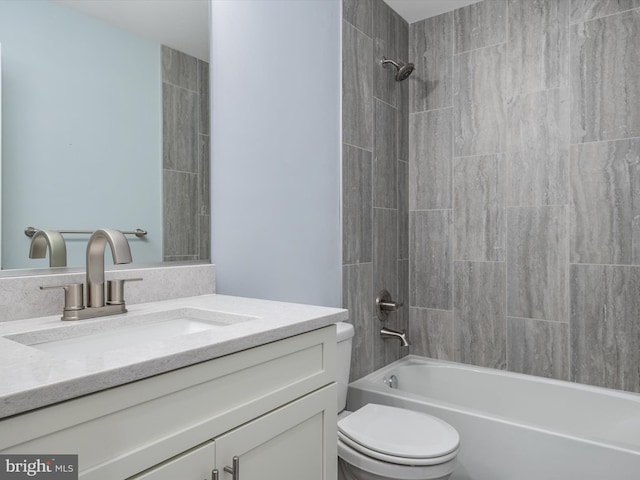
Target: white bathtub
{"x": 513, "y": 426}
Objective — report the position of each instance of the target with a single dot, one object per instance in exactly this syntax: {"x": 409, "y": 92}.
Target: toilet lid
{"x": 399, "y": 432}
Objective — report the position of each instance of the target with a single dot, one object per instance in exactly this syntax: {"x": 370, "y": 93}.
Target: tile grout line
{"x": 506, "y": 222}
{"x": 357, "y": 29}
{"x": 626, "y": 265}
{"x": 180, "y": 87}
{"x": 463, "y": 157}
{"x": 545, "y": 320}
{"x": 359, "y": 148}
{"x": 452, "y": 188}
{"x": 571, "y": 24}
{"x": 546, "y": 205}
{"x": 418, "y": 210}
{"x": 432, "y": 309}
{"x": 371, "y": 277}
{"x": 621, "y": 139}
{"x": 385, "y": 208}
{"x": 487, "y": 154}
{"x": 478, "y": 261}
{"x": 568, "y": 210}
{"x": 480, "y": 48}
{"x": 357, "y": 264}
{"x": 385, "y": 102}
{"x": 173, "y": 170}
{"x": 430, "y": 110}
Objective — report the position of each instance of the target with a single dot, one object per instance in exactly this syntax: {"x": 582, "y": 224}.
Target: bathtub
{"x": 513, "y": 426}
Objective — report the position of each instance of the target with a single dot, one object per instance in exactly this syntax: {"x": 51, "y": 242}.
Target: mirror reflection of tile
{"x": 185, "y": 120}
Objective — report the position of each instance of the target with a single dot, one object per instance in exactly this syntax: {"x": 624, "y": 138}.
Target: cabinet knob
{"x": 235, "y": 470}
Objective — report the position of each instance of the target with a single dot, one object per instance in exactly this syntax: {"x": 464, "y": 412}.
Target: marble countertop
{"x": 31, "y": 378}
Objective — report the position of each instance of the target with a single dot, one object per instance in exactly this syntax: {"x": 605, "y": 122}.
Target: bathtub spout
{"x": 402, "y": 336}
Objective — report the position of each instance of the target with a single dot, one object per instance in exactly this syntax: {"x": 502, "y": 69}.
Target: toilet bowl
{"x": 380, "y": 442}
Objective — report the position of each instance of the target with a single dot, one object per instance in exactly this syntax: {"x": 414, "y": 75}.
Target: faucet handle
{"x": 384, "y": 305}
{"x": 73, "y": 295}
{"x": 115, "y": 290}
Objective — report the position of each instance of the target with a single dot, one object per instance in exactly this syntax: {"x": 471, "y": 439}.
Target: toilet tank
{"x": 345, "y": 338}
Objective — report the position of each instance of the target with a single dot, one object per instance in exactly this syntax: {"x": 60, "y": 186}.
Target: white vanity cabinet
{"x": 272, "y": 406}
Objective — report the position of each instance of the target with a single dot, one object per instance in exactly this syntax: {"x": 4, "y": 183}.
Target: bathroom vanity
{"x": 252, "y": 397}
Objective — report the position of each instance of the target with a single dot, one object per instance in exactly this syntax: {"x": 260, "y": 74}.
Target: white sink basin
{"x": 81, "y": 339}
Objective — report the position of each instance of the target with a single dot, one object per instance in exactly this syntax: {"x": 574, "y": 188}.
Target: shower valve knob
{"x": 385, "y": 305}
{"x": 390, "y": 306}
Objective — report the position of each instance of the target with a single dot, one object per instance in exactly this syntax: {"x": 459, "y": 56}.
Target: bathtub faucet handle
{"x": 390, "y": 306}
{"x": 384, "y": 305}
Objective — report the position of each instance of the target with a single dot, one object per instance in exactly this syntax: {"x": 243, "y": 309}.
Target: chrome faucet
{"x": 74, "y": 308}
{"x": 44, "y": 239}
{"x": 402, "y": 336}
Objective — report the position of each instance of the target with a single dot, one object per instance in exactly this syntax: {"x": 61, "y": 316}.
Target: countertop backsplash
{"x": 21, "y": 297}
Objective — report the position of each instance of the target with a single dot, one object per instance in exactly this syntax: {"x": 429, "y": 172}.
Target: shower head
{"x": 403, "y": 70}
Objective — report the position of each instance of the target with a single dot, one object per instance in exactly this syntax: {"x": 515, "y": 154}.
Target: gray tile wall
{"x": 185, "y": 164}
{"x": 430, "y": 178}
{"x": 479, "y": 112}
{"x": 478, "y": 208}
{"x": 524, "y": 188}
{"x": 375, "y": 180}
{"x": 479, "y": 313}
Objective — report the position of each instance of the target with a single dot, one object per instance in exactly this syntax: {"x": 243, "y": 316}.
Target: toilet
{"x": 380, "y": 442}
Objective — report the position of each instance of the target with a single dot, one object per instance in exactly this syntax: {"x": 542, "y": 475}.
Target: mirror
{"x": 105, "y": 124}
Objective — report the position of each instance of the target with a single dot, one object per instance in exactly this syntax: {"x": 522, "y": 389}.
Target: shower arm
{"x": 386, "y": 60}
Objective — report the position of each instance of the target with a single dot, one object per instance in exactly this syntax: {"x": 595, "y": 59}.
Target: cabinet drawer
{"x": 125, "y": 430}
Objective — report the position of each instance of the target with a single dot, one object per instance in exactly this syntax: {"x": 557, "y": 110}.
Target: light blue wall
{"x": 276, "y": 93}
{"x": 0, "y": 154}
{"x": 81, "y": 98}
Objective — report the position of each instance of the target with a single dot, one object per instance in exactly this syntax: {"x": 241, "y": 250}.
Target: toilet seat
{"x": 399, "y": 436}
{"x": 422, "y": 462}
{"x": 393, "y": 470}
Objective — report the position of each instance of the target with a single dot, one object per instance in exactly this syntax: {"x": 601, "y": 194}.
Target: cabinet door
{"x": 294, "y": 442}
{"x": 195, "y": 464}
